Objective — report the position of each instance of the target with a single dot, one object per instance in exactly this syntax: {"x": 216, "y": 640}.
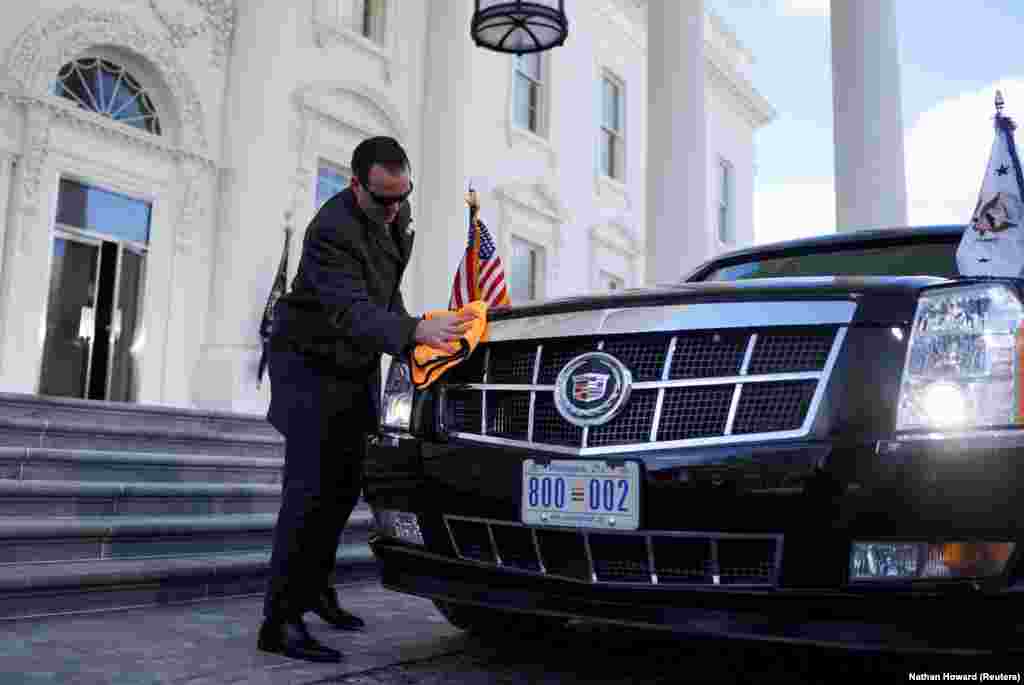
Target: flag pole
{"x": 277, "y": 289}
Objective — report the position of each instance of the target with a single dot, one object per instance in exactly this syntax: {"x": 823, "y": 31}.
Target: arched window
{"x": 97, "y": 85}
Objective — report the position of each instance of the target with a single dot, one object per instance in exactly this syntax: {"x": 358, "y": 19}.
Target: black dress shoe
{"x": 327, "y": 608}
{"x": 291, "y": 639}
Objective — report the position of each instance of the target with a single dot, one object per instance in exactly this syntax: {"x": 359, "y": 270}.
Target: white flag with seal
{"x": 993, "y": 244}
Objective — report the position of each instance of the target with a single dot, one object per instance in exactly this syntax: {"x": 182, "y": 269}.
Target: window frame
{"x": 538, "y": 262}
{"x": 608, "y": 136}
{"x": 726, "y": 204}
{"x": 322, "y": 163}
{"x": 540, "y": 83}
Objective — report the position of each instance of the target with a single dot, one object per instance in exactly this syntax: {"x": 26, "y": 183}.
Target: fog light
{"x": 913, "y": 560}
{"x": 400, "y": 525}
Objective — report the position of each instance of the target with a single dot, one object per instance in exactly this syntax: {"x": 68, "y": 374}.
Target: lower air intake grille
{"x": 651, "y": 558}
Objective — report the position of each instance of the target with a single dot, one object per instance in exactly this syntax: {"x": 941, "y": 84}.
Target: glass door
{"x": 71, "y": 317}
{"x": 124, "y": 342}
{"x": 94, "y": 334}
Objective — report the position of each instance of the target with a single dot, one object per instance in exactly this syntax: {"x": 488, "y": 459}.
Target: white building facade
{"x": 152, "y": 152}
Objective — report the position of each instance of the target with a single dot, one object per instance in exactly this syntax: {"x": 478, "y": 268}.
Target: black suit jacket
{"x": 345, "y": 308}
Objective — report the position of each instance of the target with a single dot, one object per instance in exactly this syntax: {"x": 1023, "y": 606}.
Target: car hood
{"x": 880, "y": 299}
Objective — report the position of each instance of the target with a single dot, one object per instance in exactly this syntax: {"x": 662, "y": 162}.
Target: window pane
{"x": 523, "y": 272}
{"x": 610, "y": 105}
{"x": 529, "y": 64}
{"x": 330, "y": 181}
{"x": 373, "y": 19}
{"x": 521, "y": 101}
{"x": 723, "y": 224}
{"x": 605, "y": 152}
{"x": 618, "y": 158}
{"x": 112, "y": 214}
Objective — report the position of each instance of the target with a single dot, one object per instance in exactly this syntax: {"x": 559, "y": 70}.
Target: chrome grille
{"x": 708, "y": 354}
{"x": 697, "y": 412}
{"x": 700, "y": 387}
{"x": 631, "y": 426}
{"x": 648, "y": 558}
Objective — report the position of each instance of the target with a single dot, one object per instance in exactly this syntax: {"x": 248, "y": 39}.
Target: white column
{"x": 439, "y": 207}
{"x": 259, "y": 165}
{"x": 678, "y": 234}
{"x": 26, "y": 245}
{"x": 871, "y": 186}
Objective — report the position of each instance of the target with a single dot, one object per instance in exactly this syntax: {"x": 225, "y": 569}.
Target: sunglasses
{"x": 387, "y": 200}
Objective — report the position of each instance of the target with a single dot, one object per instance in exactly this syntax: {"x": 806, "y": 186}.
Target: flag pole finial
{"x": 999, "y": 102}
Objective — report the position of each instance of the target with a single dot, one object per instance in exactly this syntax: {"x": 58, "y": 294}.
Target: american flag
{"x": 481, "y": 275}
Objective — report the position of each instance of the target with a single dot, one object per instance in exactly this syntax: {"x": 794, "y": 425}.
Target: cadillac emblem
{"x": 592, "y": 389}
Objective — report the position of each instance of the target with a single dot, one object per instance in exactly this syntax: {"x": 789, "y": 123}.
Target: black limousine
{"x": 815, "y": 441}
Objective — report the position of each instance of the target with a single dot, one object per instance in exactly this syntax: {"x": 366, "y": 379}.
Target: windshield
{"x": 908, "y": 259}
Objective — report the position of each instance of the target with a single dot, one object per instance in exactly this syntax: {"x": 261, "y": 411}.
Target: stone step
{"x": 59, "y": 498}
{"x": 34, "y": 590}
{"x": 107, "y": 465}
{"x": 38, "y": 421}
{"x": 101, "y": 538}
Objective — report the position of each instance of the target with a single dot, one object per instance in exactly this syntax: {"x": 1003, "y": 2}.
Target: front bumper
{"x": 810, "y": 599}
{"x": 968, "y": 623}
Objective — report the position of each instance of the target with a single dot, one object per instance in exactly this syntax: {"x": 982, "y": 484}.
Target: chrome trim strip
{"x": 748, "y": 354}
{"x": 536, "y": 548}
{"x": 744, "y": 366}
{"x": 483, "y": 392}
{"x": 590, "y": 556}
{"x": 494, "y": 545}
{"x": 734, "y": 404}
{"x": 585, "y": 433}
{"x": 935, "y": 436}
{"x": 633, "y": 448}
{"x": 716, "y": 572}
{"x": 666, "y": 367}
{"x": 451, "y": 536}
{"x": 651, "y": 385}
{"x": 819, "y": 392}
{"x": 728, "y": 380}
{"x": 712, "y": 538}
{"x": 671, "y": 318}
{"x": 533, "y": 393}
{"x": 650, "y": 559}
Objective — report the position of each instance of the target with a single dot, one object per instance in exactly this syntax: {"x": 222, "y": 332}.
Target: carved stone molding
{"x": 37, "y": 149}
{"x": 218, "y": 21}
{"x": 192, "y": 207}
{"x": 303, "y": 179}
{"x": 38, "y": 53}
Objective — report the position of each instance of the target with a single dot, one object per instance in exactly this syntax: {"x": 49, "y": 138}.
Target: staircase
{"x": 106, "y": 505}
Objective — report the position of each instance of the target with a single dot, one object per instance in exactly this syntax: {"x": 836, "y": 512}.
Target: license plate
{"x": 581, "y": 494}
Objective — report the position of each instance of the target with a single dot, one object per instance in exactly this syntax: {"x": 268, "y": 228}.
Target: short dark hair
{"x": 382, "y": 150}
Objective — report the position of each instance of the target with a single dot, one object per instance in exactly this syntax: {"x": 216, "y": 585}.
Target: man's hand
{"x": 443, "y": 332}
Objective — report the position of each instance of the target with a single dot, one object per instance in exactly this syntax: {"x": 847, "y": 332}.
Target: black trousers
{"x": 323, "y": 418}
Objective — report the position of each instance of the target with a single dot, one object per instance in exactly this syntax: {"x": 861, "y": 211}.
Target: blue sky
{"x": 953, "y": 56}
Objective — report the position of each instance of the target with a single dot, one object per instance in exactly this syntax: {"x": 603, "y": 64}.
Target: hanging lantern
{"x": 519, "y": 26}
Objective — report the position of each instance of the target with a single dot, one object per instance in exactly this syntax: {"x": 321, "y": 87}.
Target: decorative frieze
{"x": 217, "y": 21}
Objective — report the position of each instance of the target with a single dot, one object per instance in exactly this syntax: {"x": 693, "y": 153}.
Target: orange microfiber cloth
{"x": 428, "y": 363}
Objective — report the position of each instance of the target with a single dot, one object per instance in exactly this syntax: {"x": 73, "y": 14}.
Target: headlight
{"x": 963, "y": 360}
{"x": 396, "y": 407}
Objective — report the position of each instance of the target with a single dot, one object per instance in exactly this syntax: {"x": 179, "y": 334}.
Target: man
{"x": 345, "y": 309}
